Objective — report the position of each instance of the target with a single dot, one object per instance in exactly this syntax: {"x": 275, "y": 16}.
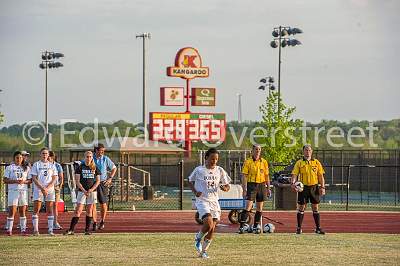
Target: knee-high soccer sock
{"x": 50, "y": 223}
{"x": 10, "y": 223}
{"x": 206, "y": 244}
{"x": 22, "y": 223}
{"x": 35, "y": 222}
{"x": 89, "y": 221}
{"x": 74, "y": 221}
{"x": 300, "y": 216}
{"x": 243, "y": 217}
{"x": 257, "y": 218}
{"x": 316, "y": 218}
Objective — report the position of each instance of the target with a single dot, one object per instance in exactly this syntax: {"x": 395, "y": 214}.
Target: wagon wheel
{"x": 197, "y": 218}
{"x": 233, "y": 216}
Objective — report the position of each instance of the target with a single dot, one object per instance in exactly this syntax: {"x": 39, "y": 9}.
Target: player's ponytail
{"x": 92, "y": 166}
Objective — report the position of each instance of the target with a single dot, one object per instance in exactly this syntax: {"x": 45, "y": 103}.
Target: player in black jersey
{"x": 87, "y": 178}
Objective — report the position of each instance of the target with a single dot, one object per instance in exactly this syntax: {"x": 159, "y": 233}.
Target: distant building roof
{"x": 133, "y": 145}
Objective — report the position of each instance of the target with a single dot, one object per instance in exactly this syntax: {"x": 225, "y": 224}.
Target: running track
{"x": 183, "y": 221}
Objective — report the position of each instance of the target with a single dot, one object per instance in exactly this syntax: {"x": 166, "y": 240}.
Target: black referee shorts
{"x": 102, "y": 193}
{"x": 309, "y": 194}
{"x": 256, "y": 192}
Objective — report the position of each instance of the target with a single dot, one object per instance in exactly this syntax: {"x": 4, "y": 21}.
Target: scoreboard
{"x": 169, "y": 126}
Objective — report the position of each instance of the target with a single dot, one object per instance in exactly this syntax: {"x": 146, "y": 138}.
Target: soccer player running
{"x": 255, "y": 184}
{"x": 57, "y": 188}
{"x": 105, "y": 165}
{"x": 87, "y": 177}
{"x": 17, "y": 178}
{"x": 44, "y": 175}
{"x": 310, "y": 172}
{"x": 204, "y": 182}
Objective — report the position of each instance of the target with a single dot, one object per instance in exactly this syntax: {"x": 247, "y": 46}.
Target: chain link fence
{"x": 355, "y": 180}
{"x": 137, "y": 187}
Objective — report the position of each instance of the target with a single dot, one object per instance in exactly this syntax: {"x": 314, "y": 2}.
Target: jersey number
{"x": 211, "y": 184}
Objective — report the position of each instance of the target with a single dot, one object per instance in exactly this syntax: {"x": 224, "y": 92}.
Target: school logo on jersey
{"x": 87, "y": 173}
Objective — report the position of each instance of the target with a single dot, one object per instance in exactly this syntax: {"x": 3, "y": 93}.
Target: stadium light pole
{"x": 269, "y": 85}
{"x": 144, "y": 36}
{"x": 1, "y": 115}
{"x": 281, "y": 41}
{"x": 239, "y": 95}
{"x": 1, "y": 92}
{"x": 48, "y": 61}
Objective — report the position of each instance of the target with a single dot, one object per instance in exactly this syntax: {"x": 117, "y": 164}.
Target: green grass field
{"x": 178, "y": 249}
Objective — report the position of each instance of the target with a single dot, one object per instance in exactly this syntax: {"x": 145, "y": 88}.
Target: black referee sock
{"x": 316, "y": 218}
{"x": 89, "y": 221}
{"x": 300, "y": 216}
{"x": 257, "y": 218}
{"x": 243, "y": 217}
{"x": 74, "y": 221}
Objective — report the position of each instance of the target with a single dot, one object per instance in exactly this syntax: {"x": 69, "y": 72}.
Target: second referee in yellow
{"x": 310, "y": 172}
{"x": 255, "y": 184}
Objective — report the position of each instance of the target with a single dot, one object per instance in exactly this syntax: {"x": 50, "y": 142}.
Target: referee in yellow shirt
{"x": 255, "y": 184}
{"x": 310, "y": 172}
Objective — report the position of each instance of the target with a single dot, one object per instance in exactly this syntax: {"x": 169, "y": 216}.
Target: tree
{"x": 283, "y": 140}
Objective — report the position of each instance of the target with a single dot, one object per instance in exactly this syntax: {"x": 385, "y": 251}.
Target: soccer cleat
{"x": 19, "y": 227}
{"x": 94, "y": 227}
{"x": 87, "y": 233}
{"x": 35, "y": 233}
{"x": 51, "y": 233}
{"x": 69, "y": 233}
{"x": 298, "y": 231}
{"x": 319, "y": 231}
{"x": 9, "y": 233}
{"x": 257, "y": 229}
{"x": 197, "y": 244}
{"x": 57, "y": 226}
{"x": 241, "y": 230}
{"x": 204, "y": 255}
{"x": 101, "y": 225}
{"x": 249, "y": 229}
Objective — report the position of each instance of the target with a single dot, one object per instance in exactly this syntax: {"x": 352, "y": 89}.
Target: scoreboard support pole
{"x": 188, "y": 143}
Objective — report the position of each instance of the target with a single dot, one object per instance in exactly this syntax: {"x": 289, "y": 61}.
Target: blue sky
{"x": 345, "y": 69}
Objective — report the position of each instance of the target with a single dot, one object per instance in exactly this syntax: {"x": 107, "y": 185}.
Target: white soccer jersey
{"x": 16, "y": 172}
{"x": 44, "y": 172}
{"x": 207, "y": 181}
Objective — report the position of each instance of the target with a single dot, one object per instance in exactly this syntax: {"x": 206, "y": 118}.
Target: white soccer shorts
{"x": 83, "y": 199}
{"x": 211, "y": 207}
{"x": 17, "y": 197}
{"x": 38, "y": 195}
